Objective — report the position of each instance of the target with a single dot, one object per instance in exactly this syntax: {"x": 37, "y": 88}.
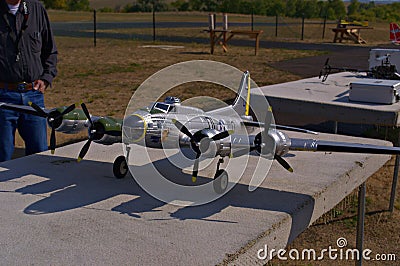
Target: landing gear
{"x": 221, "y": 179}
{"x": 120, "y": 167}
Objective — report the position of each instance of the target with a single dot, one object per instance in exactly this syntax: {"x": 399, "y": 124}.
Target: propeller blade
{"x": 66, "y": 111}
{"x": 241, "y": 152}
{"x": 325, "y": 71}
{"x": 53, "y": 140}
{"x": 182, "y": 128}
{"x": 38, "y": 109}
{"x": 86, "y": 111}
{"x": 222, "y": 135}
{"x": 282, "y": 162}
{"x": 268, "y": 119}
{"x": 195, "y": 168}
{"x": 84, "y": 150}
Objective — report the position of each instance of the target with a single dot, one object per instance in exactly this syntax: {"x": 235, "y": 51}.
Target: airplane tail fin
{"x": 394, "y": 33}
{"x": 242, "y": 101}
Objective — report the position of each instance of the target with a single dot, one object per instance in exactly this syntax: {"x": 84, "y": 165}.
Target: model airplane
{"x": 169, "y": 124}
{"x": 344, "y": 23}
{"x": 384, "y": 71}
{"x": 394, "y": 33}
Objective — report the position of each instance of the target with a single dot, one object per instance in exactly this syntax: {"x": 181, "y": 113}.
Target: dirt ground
{"x": 106, "y": 76}
{"x": 381, "y": 227}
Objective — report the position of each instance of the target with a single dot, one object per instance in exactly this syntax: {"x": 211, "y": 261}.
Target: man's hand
{"x": 40, "y": 85}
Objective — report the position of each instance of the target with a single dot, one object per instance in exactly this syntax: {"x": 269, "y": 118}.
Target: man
{"x": 28, "y": 59}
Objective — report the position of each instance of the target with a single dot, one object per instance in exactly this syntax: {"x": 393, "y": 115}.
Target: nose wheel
{"x": 221, "y": 179}
{"x": 120, "y": 167}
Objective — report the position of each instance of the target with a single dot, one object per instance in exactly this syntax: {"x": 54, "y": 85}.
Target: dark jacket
{"x": 37, "y": 49}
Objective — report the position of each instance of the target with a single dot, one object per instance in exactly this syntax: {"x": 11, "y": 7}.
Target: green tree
{"x": 180, "y": 5}
{"x": 78, "y": 5}
{"x": 338, "y": 8}
{"x": 55, "y": 4}
{"x": 353, "y": 8}
{"x": 246, "y": 7}
{"x": 229, "y": 6}
{"x": 196, "y": 5}
{"x": 146, "y": 6}
{"x": 276, "y": 7}
{"x": 330, "y": 13}
{"x": 291, "y": 8}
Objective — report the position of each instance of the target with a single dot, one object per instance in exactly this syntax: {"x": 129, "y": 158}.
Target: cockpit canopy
{"x": 161, "y": 108}
{"x": 166, "y": 106}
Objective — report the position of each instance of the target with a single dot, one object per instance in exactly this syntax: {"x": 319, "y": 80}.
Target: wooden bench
{"x": 222, "y": 37}
{"x": 350, "y": 33}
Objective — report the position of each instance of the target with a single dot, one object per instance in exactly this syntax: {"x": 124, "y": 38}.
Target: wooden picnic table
{"x": 222, "y": 37}
{"x": 351, "y": 33}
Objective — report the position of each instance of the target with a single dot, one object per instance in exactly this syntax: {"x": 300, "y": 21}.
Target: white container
{"x": 375, "y": 91}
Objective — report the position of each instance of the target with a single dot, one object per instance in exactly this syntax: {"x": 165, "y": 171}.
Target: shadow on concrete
{"x": 68, "y": 185}
{"x": 18, "y": 153}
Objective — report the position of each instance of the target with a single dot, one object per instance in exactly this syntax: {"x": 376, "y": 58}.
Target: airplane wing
{"x": 279, "y": 127}
{"x": 22, "y": 108}
{"x": 333, "y": 146}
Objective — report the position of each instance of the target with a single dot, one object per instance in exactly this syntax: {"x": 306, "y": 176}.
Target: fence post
{"x": 302, "y": 28}
{"x": 252, "y": 20}
{"x": 323, "y": 29}
{"x": 276, "y": 25}
{"x": 154, "y": 22}
{"x": 94, "y": 28}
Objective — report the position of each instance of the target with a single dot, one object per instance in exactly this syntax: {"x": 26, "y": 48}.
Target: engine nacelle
{"x": 282, "y": 142}
{"x": 107, "y": 139}
{"x": 71, "y": 126}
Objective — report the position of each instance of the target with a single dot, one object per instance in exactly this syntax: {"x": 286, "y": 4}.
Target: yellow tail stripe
{"x": 248, "y": 96}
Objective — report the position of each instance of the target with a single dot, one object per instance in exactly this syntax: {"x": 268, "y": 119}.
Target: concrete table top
{"x": 56, "y": 211}
{"x": 310, "y": 100}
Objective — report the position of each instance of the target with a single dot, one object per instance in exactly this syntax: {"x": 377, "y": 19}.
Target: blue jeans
{"x": 31, "y": 128}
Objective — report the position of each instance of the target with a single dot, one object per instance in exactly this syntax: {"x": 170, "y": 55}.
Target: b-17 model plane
{"x": 213, "y": 134}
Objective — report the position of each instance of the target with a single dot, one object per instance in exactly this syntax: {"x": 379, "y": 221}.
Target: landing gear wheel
{"x": 120, "y": 167}
{"x": 221, "y": 181}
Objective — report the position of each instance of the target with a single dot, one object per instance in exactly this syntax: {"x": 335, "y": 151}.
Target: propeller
{"x": 92, "y": 130}
{"x": 199, "y": 143}
{"x": 53, "y": 118}
{"x": 325, "y": 71}
{"x": 268, "y": 141}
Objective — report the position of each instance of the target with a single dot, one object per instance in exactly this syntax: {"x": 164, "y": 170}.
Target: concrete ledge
{"x": 310, "y": 100}
{"x": 56, "y": 211}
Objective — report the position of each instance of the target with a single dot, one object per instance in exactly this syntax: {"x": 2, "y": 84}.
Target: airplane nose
{"x": 134, "y": 128}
